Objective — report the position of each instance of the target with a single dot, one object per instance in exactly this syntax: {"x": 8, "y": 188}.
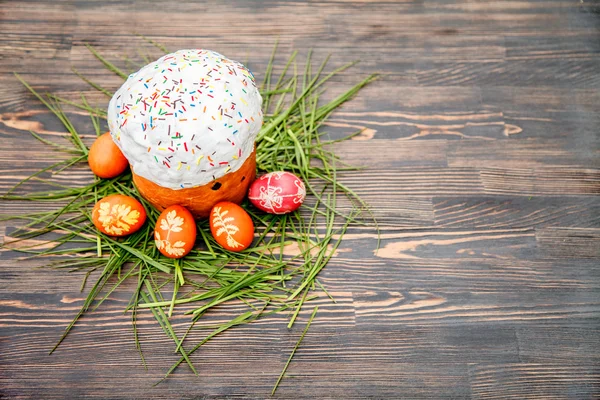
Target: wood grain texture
{"x": 481, "y": 161}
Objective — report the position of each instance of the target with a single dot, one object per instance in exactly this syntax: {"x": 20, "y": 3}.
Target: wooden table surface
{"x": 482, "y": 163}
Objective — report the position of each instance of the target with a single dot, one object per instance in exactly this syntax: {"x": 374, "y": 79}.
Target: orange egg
{"x": 106, "y": 159}
{"x": 118, "y": 215}
{"x": 175, "y": 232}
{"x": 231, "y": 226}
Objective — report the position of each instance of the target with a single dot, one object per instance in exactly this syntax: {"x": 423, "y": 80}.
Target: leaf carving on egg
{"x": 176, "y": 249}
{"x": 118, "y": 218}
{"x": 172, "y": 223}
{"x": 222, "y": 222}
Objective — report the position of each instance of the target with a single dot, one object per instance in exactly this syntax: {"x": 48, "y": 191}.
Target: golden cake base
{"x": 199, "y": 200}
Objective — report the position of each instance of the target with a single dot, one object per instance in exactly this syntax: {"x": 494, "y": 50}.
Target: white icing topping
{"x": 188, "y": 118}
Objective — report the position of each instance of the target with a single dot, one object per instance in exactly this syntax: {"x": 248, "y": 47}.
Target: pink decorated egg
{"x": 277, "y": 192}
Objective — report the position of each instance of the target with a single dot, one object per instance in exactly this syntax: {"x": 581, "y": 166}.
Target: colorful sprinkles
{"x": 193, "y": 117}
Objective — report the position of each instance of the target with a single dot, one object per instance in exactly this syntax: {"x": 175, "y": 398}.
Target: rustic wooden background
{"x": 482, "y": 149}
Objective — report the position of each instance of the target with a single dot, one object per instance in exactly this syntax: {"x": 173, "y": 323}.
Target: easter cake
{"x": 187, "y": 124}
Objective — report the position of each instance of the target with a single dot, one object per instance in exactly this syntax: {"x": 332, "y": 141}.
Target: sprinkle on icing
{"x": 187, "y": 118}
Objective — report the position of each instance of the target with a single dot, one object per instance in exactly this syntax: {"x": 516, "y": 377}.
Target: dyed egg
{"x": 106, "y": 159}
{"x": 231, "y": 226}
{"x": 175, "y": 232}
{"x": 118, "y": 215}
{"x": 277, "y": 192}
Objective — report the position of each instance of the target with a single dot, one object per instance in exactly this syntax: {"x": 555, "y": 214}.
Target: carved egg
{"x": 231, "y": 226}
{"x": 118, "y": 215}
{"x": 175, "y": 232}
{"x": 277, "y": 192}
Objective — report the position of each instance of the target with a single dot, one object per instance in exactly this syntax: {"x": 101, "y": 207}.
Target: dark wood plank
{"x": 423, "y": 181}
{"x": 534, "y": 381}
{"x": 541, "y": 181}
{"x": 570, "y": 242}
{"x": 567, "y": 73}
{"x": 516, "y": 212}
{"x": 543, "y": 344}
{"x": 525, "y": 153}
